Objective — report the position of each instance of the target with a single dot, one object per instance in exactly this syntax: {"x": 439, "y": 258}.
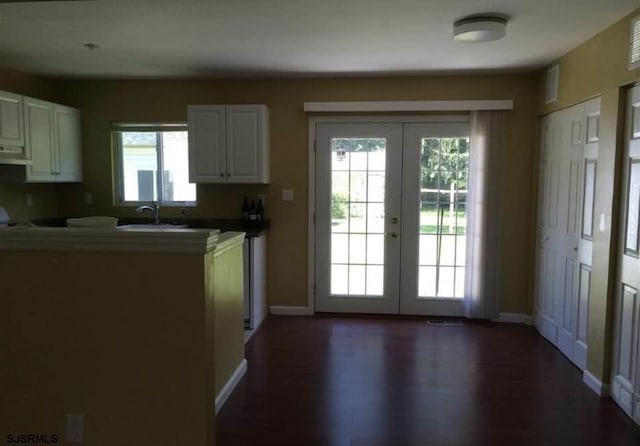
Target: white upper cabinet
{"x": 228, "y": 143}
{"x": 52, "y": 142}
{"x": 68, "y": 144}
{"x": 11, "y": 128}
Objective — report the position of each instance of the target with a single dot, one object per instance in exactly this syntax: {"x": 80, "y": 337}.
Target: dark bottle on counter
{"x": 259, "y": 211}
{"x": 253, "y": 215}
{"x": 245, "y": 210}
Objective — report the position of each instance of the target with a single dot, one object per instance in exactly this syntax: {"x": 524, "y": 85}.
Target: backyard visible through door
{"x": 391, "y": 217}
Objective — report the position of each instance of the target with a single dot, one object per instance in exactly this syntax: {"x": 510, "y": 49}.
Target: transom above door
{"x": 390, "y": 211}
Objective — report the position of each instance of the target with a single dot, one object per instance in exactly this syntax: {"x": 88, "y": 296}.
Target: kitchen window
{"x": 152, "y": 164}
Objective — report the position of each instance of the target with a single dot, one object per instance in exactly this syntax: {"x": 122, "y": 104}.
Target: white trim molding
{"x": 291, "y": 311}
{"x": 515, "y": 318}
{"x": 595, "y": 384}
{"x": 231, "y": 384}
{"x": 407, "y": 106}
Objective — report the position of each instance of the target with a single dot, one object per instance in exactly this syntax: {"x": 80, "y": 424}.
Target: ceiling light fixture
{"x": 480, "y": 28}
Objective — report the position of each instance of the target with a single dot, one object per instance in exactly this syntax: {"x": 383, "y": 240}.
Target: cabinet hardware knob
{"x": 393, "y": 234}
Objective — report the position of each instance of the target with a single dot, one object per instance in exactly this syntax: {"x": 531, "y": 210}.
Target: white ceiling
{"x": 207, "y": 38}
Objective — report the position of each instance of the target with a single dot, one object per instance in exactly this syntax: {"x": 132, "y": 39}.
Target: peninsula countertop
{"x": 134, "y": 238}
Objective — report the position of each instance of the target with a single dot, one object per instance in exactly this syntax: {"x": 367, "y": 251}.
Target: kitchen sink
{"x": 151, "y": 227}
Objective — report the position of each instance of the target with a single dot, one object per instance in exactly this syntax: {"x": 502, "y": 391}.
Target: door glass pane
{"x": 444, "y": 173}
{"x": 357, "y": 216}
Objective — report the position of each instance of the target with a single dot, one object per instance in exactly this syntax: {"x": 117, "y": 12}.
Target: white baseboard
{"x": 515, "y": 318}
{"x": 291, "y": 311}
{"x": 231, "y": 384}
{"x": 595, "y": 384}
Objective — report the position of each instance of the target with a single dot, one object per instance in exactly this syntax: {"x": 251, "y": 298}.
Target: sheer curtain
{"x": 481, "y": 277}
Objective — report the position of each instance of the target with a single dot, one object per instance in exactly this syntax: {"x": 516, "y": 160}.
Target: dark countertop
{"x": 224, "y": 225}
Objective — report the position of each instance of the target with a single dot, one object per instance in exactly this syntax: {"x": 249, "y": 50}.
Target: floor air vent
{"x": 443, "y": 322}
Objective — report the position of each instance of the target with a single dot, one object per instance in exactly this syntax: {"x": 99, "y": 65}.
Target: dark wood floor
{"x": 396, "y": 382}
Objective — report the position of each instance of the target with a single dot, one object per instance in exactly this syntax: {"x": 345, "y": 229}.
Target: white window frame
{"x": 119, "y": 127}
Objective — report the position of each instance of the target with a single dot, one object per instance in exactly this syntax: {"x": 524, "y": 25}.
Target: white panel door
{"x": 568, "y": 158}
{"x": 625, "y": 384}
{"x": 358, "y": 209}
{"x": 551, "y": 243}
{"x": 586, "y": 222}
{"x": 435, "y": 173}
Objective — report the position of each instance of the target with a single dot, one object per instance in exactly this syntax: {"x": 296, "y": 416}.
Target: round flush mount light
{"x": 480, "y": 28}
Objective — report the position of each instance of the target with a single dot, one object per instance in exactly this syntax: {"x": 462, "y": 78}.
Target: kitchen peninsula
{"x": 138, "y": 330}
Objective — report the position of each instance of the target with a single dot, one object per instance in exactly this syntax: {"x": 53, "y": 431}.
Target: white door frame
{"x": 311, "y": 242}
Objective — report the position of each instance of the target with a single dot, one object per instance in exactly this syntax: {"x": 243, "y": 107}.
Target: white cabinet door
{"x": 228, "y": 143}
{"x": 52, "y": 142}
{"x": 40, "y": 140}
{"x": 625, "y": 383}
{"x": 207, "y": 143}
{"x": 11, "y": 128}
{"x": 247, "y": 144}
{"x": 68, "y": 144}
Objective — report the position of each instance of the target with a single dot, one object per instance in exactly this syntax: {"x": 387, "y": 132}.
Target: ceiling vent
{"x": 634, "y": 53}
{"x": 551, "y": 91}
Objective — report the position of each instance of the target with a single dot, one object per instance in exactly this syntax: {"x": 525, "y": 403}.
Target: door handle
{"x": 393, "y": 234}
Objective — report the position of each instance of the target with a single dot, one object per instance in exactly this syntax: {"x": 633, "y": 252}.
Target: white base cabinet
{"x": 52, "y": 141}
{"x": 255, "y": 281}
{"x": 228, "y": 144}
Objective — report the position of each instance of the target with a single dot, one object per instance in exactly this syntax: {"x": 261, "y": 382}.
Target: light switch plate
{"x": 287, "y": 195}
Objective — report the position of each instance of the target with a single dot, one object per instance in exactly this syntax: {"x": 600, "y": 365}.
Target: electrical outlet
{"x": 88, "y": 198}
{"x": 75, "y": 428}
{"x": 29, "y": 200}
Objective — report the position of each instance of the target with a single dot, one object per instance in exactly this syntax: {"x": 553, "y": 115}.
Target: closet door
{"x": 573, "y": 126}
{"x": 568, "y": 159}
{"x": 551, "y": 227}
{"x": 625, "y": 385}
{"x": 586, "y": 222}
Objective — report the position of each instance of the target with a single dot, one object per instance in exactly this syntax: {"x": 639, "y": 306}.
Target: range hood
{"x": 13, "y": 155}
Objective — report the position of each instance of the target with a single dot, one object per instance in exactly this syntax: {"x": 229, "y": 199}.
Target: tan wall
{"x": 154, "y": 100}
{"x": 13, "y": 197}
{"x": 600, "y": 67}
{"x": 114, "y": 337}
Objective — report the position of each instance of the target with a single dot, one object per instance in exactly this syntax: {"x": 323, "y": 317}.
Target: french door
{"x": 390, "y": 229}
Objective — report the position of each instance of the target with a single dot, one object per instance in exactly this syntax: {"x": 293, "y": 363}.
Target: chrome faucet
{"x": 153, "y": 208}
